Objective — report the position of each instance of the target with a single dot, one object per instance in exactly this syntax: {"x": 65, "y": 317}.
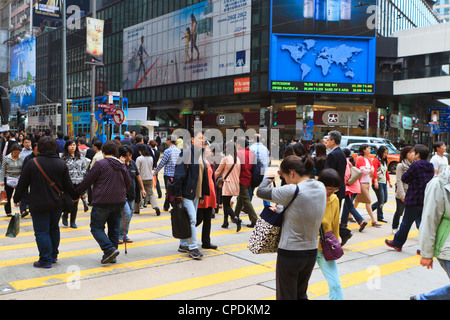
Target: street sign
{"x": 119, "y": 117}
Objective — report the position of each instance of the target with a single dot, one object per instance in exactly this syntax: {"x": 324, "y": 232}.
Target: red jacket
{"x": 246, "y": 158}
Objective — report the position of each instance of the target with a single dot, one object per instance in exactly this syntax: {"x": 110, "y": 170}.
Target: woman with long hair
{"x": 297, "y": 250}
{"x": 380, "y": 180}
{"x": 229, "y": 168}
{"x": 406, "y": 159}
{"x": 77, "y": 164}
{"x": 364, "y": 163}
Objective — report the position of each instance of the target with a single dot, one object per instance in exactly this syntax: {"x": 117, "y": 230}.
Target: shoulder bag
{"x": 355, "y": 175}
{"x": 220, "y": 180}
{"x": 331, "y": 248}
{"x": 66, "y": 200}
{"x": 267, "y": 232}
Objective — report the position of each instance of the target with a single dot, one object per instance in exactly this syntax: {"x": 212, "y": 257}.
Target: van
{"x": 346, "y": 140}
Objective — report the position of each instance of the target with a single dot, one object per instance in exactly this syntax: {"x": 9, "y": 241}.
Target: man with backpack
{"x": 246, "y": 158}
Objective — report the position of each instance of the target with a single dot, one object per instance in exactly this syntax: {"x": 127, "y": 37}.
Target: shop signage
{"x": 242, "y": 85}
{"x": 407, "y": 123}
{"x": 230, "y": 119}
{"x": 342, "y": 118}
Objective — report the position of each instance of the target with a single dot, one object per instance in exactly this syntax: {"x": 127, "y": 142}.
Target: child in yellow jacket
{"x": 332, "y": 181}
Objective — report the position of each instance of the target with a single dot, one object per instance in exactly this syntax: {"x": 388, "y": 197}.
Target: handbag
{"x": 13, "y": 226}
{"x": 266, "y": 234}
{"x": 331, "y": 247}
{"x": 66, "y": 200}
{"x": 220, "y": 180}
{"x": 181, "y": 223}
{"x": 355, "y": 175}
{"x": 12, "y": 181}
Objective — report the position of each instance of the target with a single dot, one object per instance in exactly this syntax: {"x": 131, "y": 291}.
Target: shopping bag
{"x": 14, "y": 226}
{"x": 181, "y": 223}
{"x": 154, "y": 182}
{"x": 3, "y": 198}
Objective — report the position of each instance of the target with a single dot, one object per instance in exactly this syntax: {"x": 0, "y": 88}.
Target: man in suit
{"x": 336, "y": 160}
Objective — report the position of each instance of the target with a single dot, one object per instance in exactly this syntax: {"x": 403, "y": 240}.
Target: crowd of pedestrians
{"x": 120, "y": 177}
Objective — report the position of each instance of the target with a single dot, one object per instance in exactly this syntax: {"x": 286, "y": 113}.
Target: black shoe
{"x": 345, "y": 239}
{"x": 158, "y": 213}
{"x": 362, "y": 226}
{"x": 24, "y": 214}
{"x": 183, "y": 249}
{"x": 225, "y": 225}
{"x": 64, "y": 221}
{"x": 166, "y": 208}
{"x": 195, "y": 254}
{"x": 73, "y": 225}
{"x": 238, "y": 224}
{"x": 382, "y": 220}
{"x": 209, "y": 246}
{"x": 110, "y": 255}
{"x": 251, "y": 225}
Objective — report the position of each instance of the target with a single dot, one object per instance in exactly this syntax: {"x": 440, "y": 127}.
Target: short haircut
{"x": 98, "y": 144}
{"x": 336, "y": 136}
{"x": 109, "y": 148}
{"x": 47, "y": 144}
{"x": 330, "y": 178}
{"x": 124, "y": 150}
{"x": 422, "y": 150}
{"x": 438, "y": 144}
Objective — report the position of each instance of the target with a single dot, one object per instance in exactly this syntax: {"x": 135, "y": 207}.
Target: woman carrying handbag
{"x": 229, "y": 169}
{"x": 330, "y": 223}
{"x": 297, "y": 249}
{"x": 10, "y": 173}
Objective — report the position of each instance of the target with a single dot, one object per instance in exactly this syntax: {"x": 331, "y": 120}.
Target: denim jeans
{"x": 46, "y": 232}
{"x": 191, "y": 206}
{"x": 124, "y": 227}
{"x": 110, "y": 215}
{"x": 441, "y": 293}
{"x": 349, "y": 208}
{"x": 331, "y": 274}
{"x": 412, "y": 214}
{"x": 382, "y": 196}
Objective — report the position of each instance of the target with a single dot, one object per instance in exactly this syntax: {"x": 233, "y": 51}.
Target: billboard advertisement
{"x": 324, "y": 17}
{"x": 48, "y": 13}
{"x": 206, "y": 40}
{"x": 23, "y": 75}
{"x": 94, "y": 41}
{"x": 336, "y": 57}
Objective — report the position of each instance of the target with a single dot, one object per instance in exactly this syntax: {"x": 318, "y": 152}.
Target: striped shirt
{"x": 168, "y": 161}
{"x": 10, "y": 167}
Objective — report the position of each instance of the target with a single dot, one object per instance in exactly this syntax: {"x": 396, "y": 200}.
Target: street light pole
{"x": 93, "y": 70}
{"x": 64, "y": 70}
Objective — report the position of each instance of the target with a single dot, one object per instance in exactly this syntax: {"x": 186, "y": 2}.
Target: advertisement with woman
{"x": 206, "y": 40}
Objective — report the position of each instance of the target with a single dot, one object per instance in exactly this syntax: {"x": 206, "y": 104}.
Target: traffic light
{"x": 5, "y": 105}
{"x": 267, "y": 119}
{"x": 20, "y": 120}
{"x": 275, "y": 118}
{"x": 382, "y": 123}
{"x": 362, "y": 123}
{"x": 243, "y": 124}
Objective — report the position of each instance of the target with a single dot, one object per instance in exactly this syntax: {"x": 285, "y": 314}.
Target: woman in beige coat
{"x": 230, "y": 186}
{"x": 406, "y": 158}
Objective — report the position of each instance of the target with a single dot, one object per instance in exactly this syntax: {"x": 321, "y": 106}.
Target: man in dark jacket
{"x": 110, "y": 180}
{"x": 191, "y": 184}
{"x": 44, "y": 202}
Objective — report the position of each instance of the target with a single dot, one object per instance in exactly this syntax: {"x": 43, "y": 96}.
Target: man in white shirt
{"x": 439, "y": 160}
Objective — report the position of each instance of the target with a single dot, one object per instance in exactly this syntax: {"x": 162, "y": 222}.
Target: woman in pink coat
{"x": 230, "y": 186}
{"x": 350, "y": 194}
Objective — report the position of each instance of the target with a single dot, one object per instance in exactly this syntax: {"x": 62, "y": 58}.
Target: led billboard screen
{"x": 206, "y": 40}
{"x": 335, "y": 54}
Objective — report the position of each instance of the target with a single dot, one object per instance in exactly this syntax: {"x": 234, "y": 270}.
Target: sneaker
{"x": 109, "y": 256}
{"x": 389, "y": 243}
{"x": 183, "y": 249}
{"x": 195, "y": 254}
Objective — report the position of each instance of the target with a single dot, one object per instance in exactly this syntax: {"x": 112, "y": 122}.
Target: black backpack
{"x": 257, "y": 173}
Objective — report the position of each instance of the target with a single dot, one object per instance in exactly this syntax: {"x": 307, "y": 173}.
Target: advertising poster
{"x": 206, "y": 40}
{"x": 324, "y": 17}
{"x": 94, "y": 41}
{"x": 23, "y": 75}
{"x": 48, "y": 13}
